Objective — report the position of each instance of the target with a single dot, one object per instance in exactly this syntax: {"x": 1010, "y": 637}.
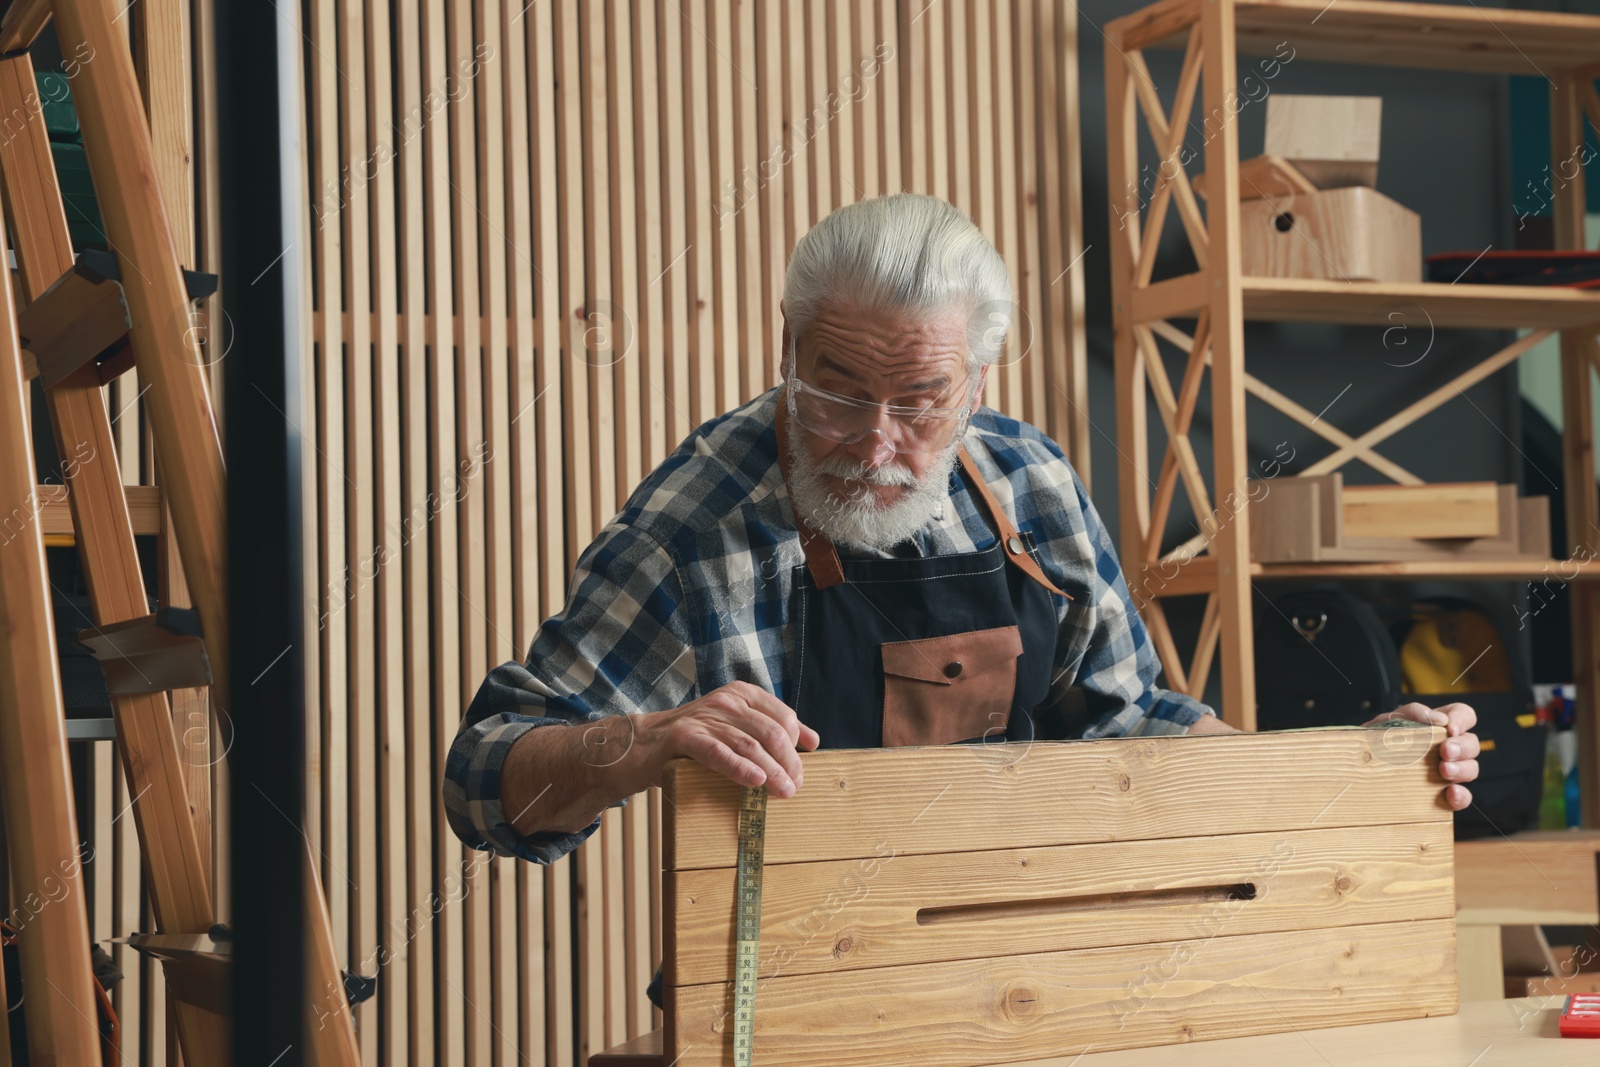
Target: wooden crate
{"x": 991, "y": 904}
{"x": 1353, "y": 234}
{"x": 1306, "y": 520}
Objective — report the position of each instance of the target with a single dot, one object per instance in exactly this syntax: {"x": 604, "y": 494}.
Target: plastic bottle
{"x": 1574, "y": 807}
{"x": 1552, "y": 801}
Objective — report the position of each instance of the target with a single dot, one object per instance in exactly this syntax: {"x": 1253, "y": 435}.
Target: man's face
{"x": 868, "y": 492}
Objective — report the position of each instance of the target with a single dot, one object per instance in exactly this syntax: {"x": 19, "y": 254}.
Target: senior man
{"x": 863, "y": 556}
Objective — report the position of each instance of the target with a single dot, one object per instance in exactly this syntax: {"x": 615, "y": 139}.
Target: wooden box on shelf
{"x": 1308, "y": 520}
{"x": 1332, "y": 140}
{"x": 1353, "y": 234}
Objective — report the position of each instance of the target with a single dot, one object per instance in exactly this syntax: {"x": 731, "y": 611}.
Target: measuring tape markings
{"x": 747, "y": 929}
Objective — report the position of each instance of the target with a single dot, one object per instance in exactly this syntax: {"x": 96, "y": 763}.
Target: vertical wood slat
{"x": 676, "y": 278}
{"x": 1005, "y": 388}
{"x": 386, "y": 1035}
{"x": 357, "y": 596}
{"x": 450, "y": 977}
{"x": 414, "y": 546}
{"x": 328, "y": 357}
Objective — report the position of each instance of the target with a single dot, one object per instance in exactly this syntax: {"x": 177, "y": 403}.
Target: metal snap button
{"x": 1014, "y": 543}
{"x": 952, "y": 668}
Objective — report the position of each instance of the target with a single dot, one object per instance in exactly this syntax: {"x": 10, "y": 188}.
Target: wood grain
{"x": 842, "y": 916}
{"x": 1114, "y": 790}
{"x": 1063, "y": 1003}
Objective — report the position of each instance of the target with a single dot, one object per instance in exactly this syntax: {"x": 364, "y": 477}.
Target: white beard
{"x": 858, "y": 521}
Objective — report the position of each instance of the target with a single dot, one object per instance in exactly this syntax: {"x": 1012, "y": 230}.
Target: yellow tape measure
{"x": 747, "y": 928}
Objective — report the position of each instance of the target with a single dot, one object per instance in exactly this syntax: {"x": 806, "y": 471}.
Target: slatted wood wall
{"x": 546, "y": 240}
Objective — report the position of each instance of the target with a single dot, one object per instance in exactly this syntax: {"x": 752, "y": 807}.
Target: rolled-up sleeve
{"x": 621, "y": 645}
{"x": 1117, "y": 674}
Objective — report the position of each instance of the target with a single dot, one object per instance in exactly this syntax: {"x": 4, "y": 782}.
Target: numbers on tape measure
{"x": 747, "y": 921}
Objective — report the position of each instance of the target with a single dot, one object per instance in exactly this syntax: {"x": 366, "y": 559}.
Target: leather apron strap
{"x": 823, "y": 558}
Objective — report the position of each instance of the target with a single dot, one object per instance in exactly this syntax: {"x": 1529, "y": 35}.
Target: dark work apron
{"x": 924, "y": 651}
{"x": 927, "y": 650}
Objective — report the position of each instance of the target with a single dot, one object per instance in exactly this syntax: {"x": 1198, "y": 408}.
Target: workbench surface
{"x": 1497, "y": 1033}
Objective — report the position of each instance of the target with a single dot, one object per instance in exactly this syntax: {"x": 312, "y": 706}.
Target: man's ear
{"x": 983, "y": 380}
{"x": 783, "y": 345}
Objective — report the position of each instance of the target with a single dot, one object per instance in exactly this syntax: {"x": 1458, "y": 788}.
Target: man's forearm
{"x": 560, "y": 778}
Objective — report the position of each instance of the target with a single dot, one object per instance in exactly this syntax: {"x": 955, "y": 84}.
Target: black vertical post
{"x": 260, "y": 140}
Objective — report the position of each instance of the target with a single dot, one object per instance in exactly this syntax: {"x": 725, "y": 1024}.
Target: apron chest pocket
{"x": 943, "y": 689}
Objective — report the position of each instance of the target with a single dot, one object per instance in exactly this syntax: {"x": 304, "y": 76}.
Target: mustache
{"x": 885, "y": 475}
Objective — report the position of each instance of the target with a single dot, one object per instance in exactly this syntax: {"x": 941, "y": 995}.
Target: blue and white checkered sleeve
{"x": 621, "y": 645}
{"x": 1119, "y": 669}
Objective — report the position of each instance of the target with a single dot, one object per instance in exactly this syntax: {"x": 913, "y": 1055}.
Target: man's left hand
{"x": 1458, "y": 754}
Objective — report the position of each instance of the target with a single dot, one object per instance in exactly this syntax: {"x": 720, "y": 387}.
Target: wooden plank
{"x": 1004, "y": 391}
{"x": 389, "y": 1028}
{"x": 846, "y": 916}
{"x": 414, "y": 540}
{"x": 594, "y": 357}
{"x": 1064, "y": 1003}
{"x": 1231, "y": 452}
{"x": 1133, "y": 440}
{"x": 676, "y": 279}
{"x": 162, "y": 51}
{"x": 39, "y": 815}
{"x": 1439, "y": 509}
{"x": 982, "y": 57}
{"x": 956, "y": 157}
{"x": 929, "y": 21}
{"x": 751, "y": 338}
{"x": 1029, "y": 320}
{"x": 333, "y": 594}
{"x": 1380, "y": 303}
{"x": 797, "y": 173}
{"x": 703, "y": 212}
{"x": 891, "y": 49}
{"x": 859, "y": 87}
{"x": 717, "y": 27}
{"x": 651, "y": 336}
{"x": 1480, "y": 970}
{"x": 497, "y": 884}
{"x": 521, "y": 944}
{"x": 1542, "y": 877}
{"x": 1501, "y": 1033}
{"x": 444, "y": 532}
{"x": 471, "y": 457}
{"x": 358, "y": 776}
{"x": 1122, "y": 790}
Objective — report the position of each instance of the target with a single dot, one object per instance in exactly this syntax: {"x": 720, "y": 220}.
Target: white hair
{"x": 902, "y": 253}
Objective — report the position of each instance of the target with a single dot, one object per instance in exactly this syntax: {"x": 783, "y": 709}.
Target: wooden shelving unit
{"x": 1213, "y": 34}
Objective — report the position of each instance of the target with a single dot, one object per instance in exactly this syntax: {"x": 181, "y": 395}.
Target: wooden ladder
{"x": 83, "y": 319}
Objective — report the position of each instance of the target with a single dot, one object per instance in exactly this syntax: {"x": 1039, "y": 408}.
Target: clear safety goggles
{"x": 847, "y": 420}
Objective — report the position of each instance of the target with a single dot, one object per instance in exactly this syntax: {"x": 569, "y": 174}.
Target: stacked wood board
{"x": 992, "y": 904}
{"x": 1318, "y": 519}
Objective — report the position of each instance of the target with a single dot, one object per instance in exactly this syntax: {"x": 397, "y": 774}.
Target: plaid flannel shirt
{"x": 691, "y": 587}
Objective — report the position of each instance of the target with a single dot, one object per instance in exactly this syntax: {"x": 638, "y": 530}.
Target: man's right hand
{"x": 740, "y": 730}
{"x": 562, "y": 778}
